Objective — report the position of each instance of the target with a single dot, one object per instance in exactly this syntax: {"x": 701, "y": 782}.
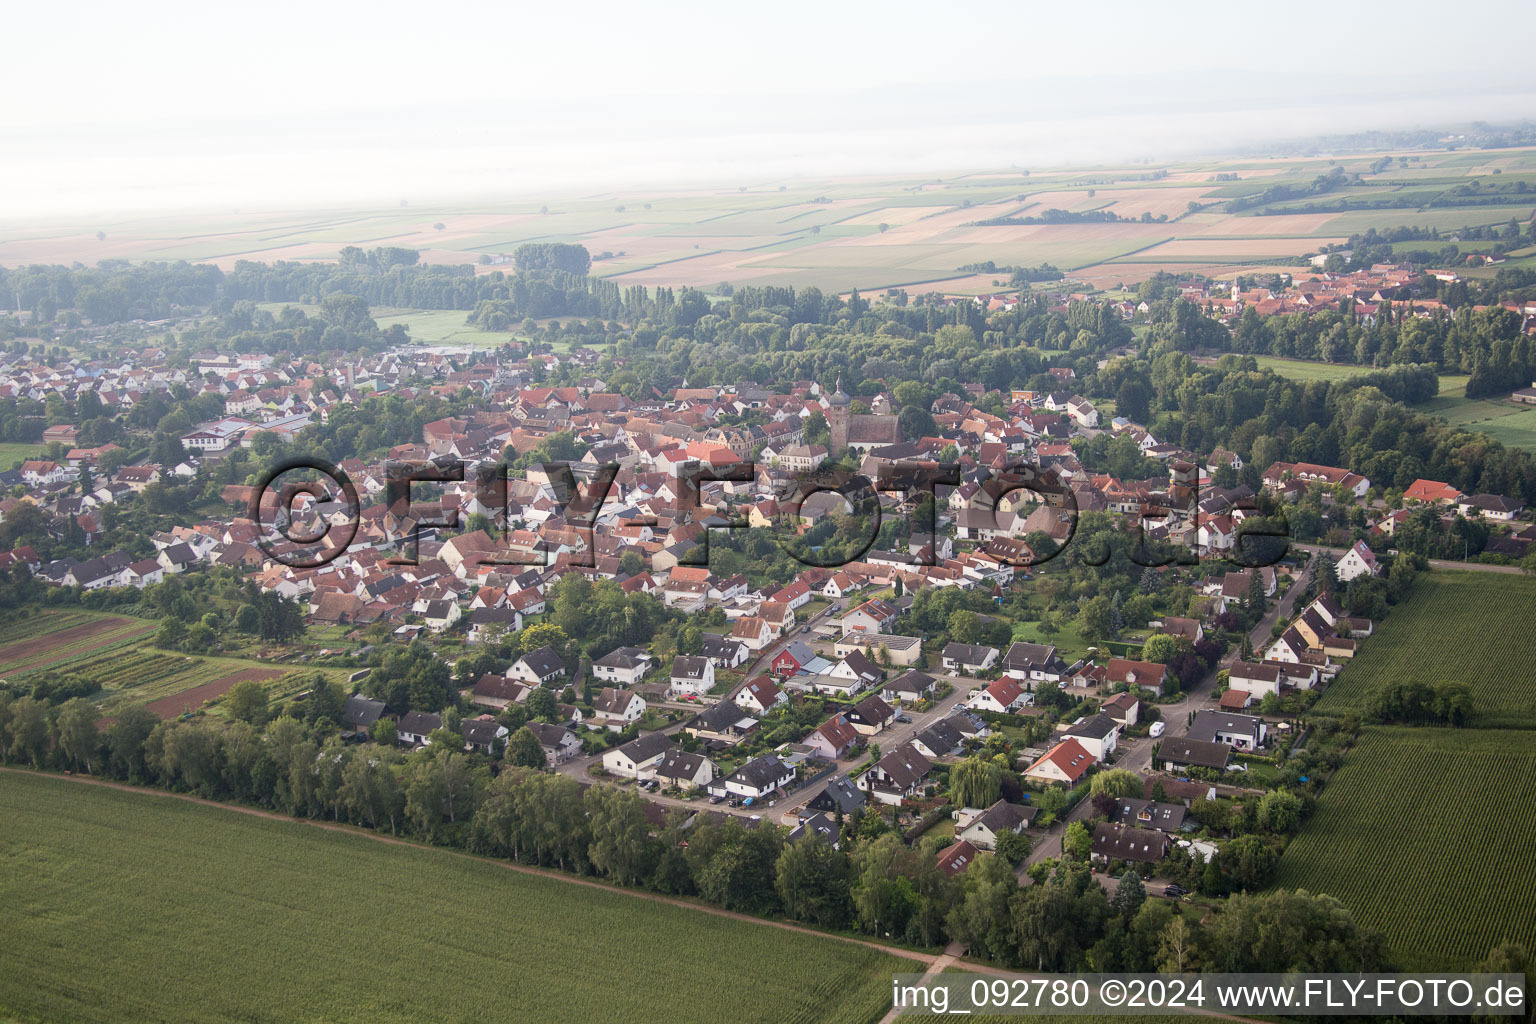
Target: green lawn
{"x": 201, "y": 913}
{"x": 440, "y": 327}
{"x": 14, "y": 452}
{"x": 1426, "y": 835}
{"x": 1469, "y": 626}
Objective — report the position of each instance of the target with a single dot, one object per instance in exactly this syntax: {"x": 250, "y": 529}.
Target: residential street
{"x": 1136, "y": 754}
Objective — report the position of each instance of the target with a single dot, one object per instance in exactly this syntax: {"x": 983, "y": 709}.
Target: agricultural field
{"x": 1426, "y": 835}
{"x": 109, "y": 649}
{"x": 205, "y": 914}
{"x": 840, "y": 233}
{"x": 54, "y": 639}
{"x": 1487, "y": 614}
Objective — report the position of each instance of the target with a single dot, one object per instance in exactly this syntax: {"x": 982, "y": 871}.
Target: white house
{"x": 623, "y": 666}
{"x": 691, "y": 675}
{"x": 639, "y": 758}
{"x": 1358, "y": 561}
{"x": 615, "y": 709}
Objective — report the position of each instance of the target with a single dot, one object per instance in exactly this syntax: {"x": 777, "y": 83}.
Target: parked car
{"x": 1158, "y": 728}
{"x": 1175, "y": 890}
{"x": 717, "y": 798}
{"x": 904, "y": 719}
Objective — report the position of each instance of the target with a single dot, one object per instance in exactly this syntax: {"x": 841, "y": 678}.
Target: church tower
{"x": 837, "y": 416}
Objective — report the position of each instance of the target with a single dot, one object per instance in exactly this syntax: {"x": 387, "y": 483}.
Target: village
{"x": 898, "y": 713}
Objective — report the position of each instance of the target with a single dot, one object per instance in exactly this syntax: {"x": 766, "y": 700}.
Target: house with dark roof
{"x": 483, "y": 735}
{"x": 940, "y": 739}
{"x": 968, "y": 659}
{"x": 723, "y": 651}
{"x": 834, "y": 739}
{"x": 497, "y": 692}
{"x": 691, "y": 676}
{"x": 818, "y": 826}
{"x": 898, "y": 775}
{"x": 723, "y": 722}
{"x": 680, "y": 769}
{"x": 840, "y": 792}
{"x": 909, "y": 687}
{"x": 1164, "y": 817}
{"x": 758, "y": 778}
{"x": 1100, "y": 735}
{"x": 1178, "y": 753}
{"x": 416, "y": 727}
{"x": 981, "y": 828}
{"x": 871, "y": 715}
{"x": 638, "y": 758}
{"x": 623, "y": 666}
{"x": 1031, "y": 664}
{"x": 1240, "y": 732}
{"x": 559, "y": 743}
{"x": 359, "y": 714}
{"x": 760, "y": 694}
{"x": 616, "y": 709}
{"x": 537, "y": 667}
{"x": 1114, "y": 841}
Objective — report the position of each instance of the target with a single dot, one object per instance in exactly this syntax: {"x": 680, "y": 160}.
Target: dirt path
{"x": 923, "y": 958}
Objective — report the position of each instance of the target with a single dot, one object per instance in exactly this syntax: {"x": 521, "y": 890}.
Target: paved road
{"x": 1135, "y": 754}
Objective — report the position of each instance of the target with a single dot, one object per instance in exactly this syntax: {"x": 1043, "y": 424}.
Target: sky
{"x": 114, "y": 107}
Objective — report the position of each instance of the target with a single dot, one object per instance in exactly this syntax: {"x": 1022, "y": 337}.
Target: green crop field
{"x": 202, "y": 913}
{"x": 1471, "y": 627}
{"x": 1426, "y": 834}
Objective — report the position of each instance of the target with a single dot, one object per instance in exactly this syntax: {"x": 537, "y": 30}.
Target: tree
{"x": 524, "y": 749}
{"x": 812, "y": 881}
{"x": 1280, "y": 811}
{"x": 247, "y": 702}
{"x": 171, "y": 634}
{"x": 1130, "y": 894}
{"x": 29, "y": 731}
{"x": 541, "y": 704}
{"x": 384, "y": 732}
{"x": 79, "y": 739}
{"x": 1013, "y": 846}
{"x": 975, "y": 782}
{"x": 248, "y": 619}
{"x": 1176, "y": 947}
{"x": 622, "y": 847}
{"x": 1077, "y": 841}
{"x": 1116, "y": 782}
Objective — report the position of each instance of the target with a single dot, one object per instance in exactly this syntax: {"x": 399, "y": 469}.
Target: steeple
{"x": 838, "y": 397}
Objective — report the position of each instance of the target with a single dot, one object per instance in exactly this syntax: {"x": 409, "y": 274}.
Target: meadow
{"x": 1305, "y": 370}
{"x": 1504, "y": 421}
{"x": 12, "y": 453}
{"x": 204, "y": 914}
{"x": 1467, "y": 626}
{"x": 1425, "y": 834}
